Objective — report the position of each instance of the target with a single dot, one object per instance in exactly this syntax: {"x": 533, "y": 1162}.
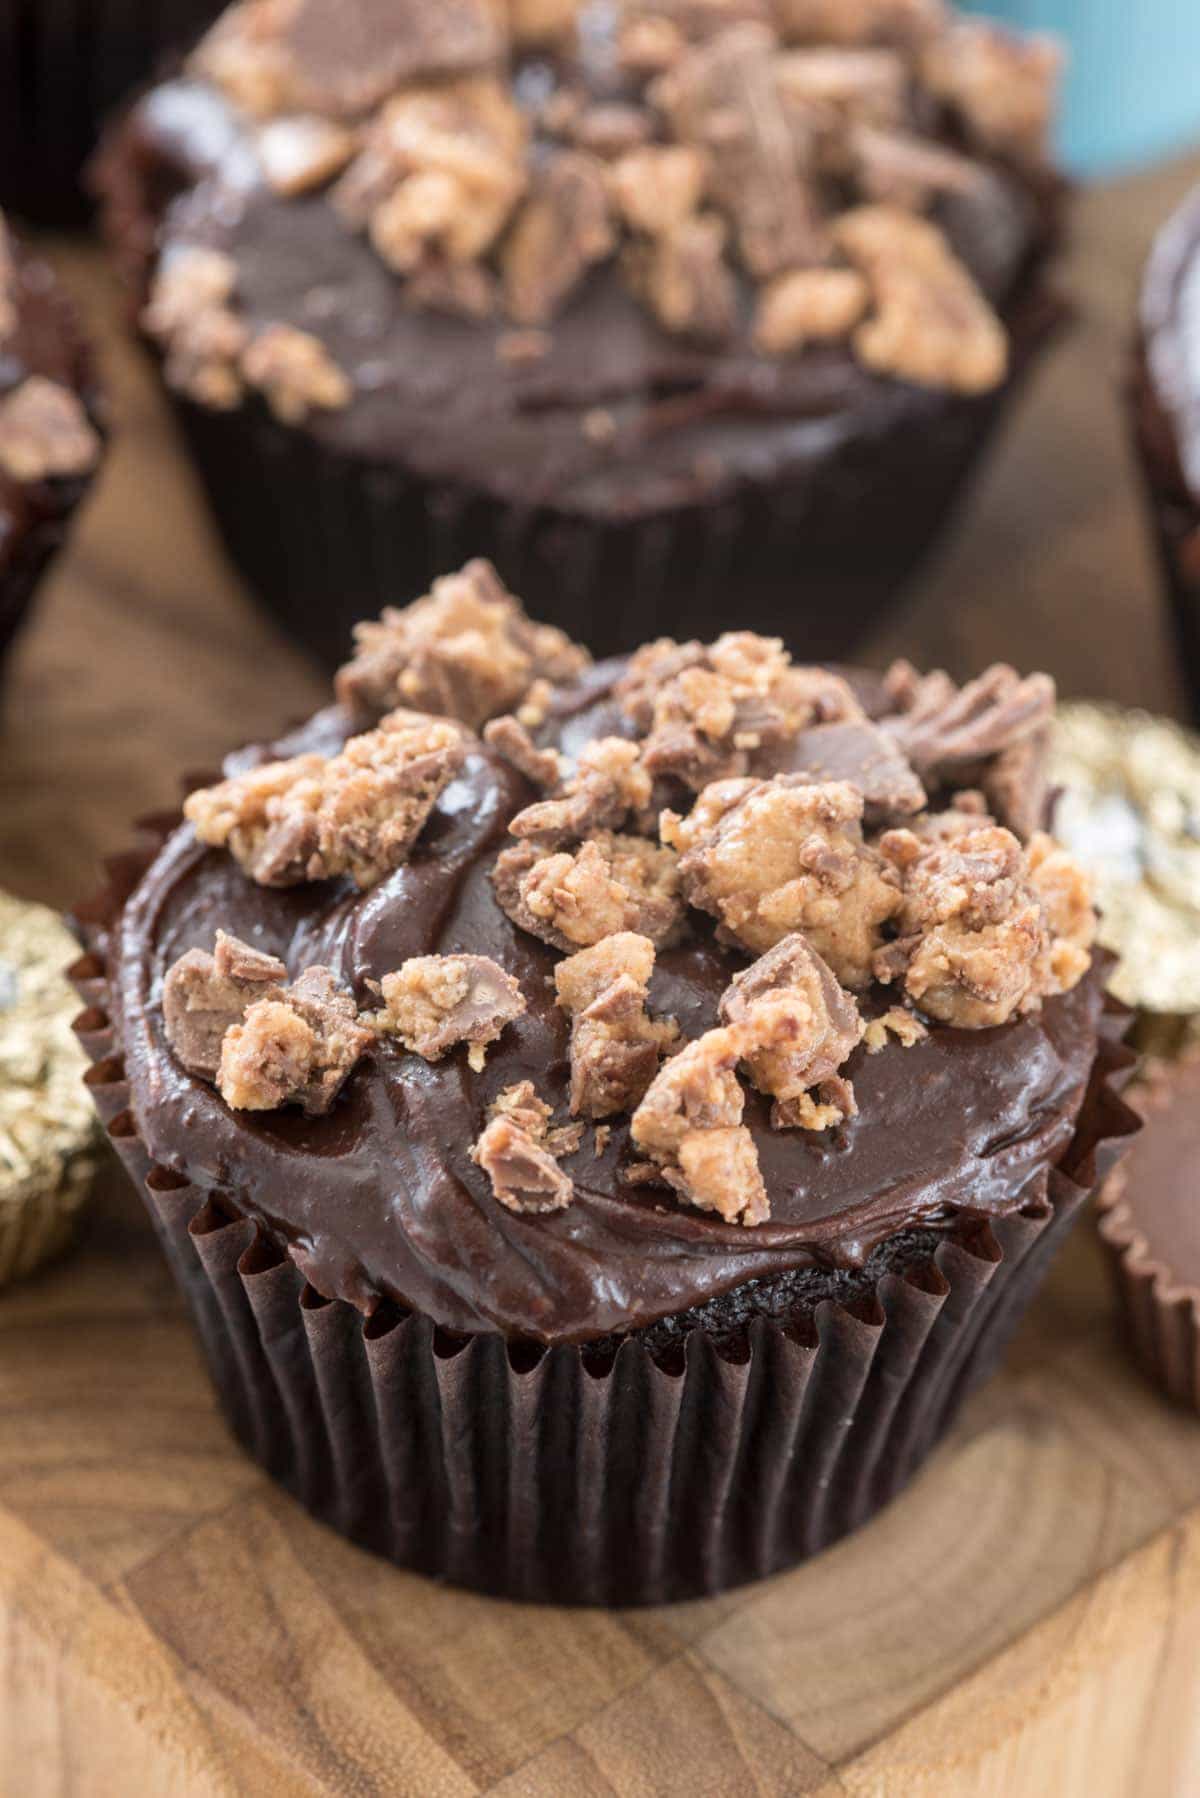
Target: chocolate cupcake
{"x": 1150, "y": 1224}
{"x": 50, "y": 444}
{"x": 63, "y": 68}
{"x": 605, "y": 1117}
{"x": 680, "y": 296}
{"x": 1165, "y": 397}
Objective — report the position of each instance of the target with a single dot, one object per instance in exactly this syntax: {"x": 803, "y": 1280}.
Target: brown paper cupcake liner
{"x": 570, "y": 1475}
{"x": 325, "y": 539}
{"x": 1160, "y": 1314}
{"x": 64, "y": 64}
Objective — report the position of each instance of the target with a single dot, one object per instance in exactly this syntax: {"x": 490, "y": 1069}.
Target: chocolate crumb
{"x": 45, "y": 432}
{"x": 433, "y": 1002}
{"x": 615, "y": 1044}
{"x": 723, "y": 97}
{"x": 1003, "y": 87}
{"x": 295, "y": 373}
{"x": 810, "y": 305}
{"x": 297, "y": 1048}
{"x": 205, "y": 994}
{"x": 466, "y": 650}
{"x": 930, "y": 323}
{"x": 519, "y": 1152}
{"x": 798, "y": 1026}
{"x": 509, "y": 738}
{"x": 563, "y": 227}
{"x": 986, "y": 929}
{"x": 683, "y": 277}
{"x": 995, "y": 730}
{"x": 690, "y": 1124}
{"x": 574, "y": 898}
{"x": 314, "y": 818}
{"x": 904, "y": 1025}
{"x": 607, "y": 784}
{"x": 770, "y": 857}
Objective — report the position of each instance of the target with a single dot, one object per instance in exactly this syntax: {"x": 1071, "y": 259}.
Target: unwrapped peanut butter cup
{"x": 1150, "y": 1224}
{"x": 47, "y": 1124}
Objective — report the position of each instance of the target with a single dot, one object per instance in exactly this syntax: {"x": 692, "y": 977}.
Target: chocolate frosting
{"x": 433, "y": 394}
{"x": 380, "y": 1200}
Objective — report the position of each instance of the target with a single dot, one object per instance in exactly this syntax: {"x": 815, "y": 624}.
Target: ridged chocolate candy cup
{"x": 1160, "y": 1311}
{"x": 553, "y": 1474}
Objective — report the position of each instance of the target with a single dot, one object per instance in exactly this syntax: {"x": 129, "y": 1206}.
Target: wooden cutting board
{"x": 1025, "y": 1620}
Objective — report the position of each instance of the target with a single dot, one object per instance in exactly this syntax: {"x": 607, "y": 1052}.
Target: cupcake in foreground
{"x": 637, "y": 300}
{"x": 50, "y": 443}
{"x": 48, "y": 1136}
{"x": 606, "y": 1116}
{"x": 63, "y": 67}
{"x": 1150, "y": 1223}
{"x": 1165, "y": 397}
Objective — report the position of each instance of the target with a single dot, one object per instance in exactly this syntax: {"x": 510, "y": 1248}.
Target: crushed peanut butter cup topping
{"x": 690, "y": 1125}
{"x": 204, "y": 995}
{"x": 519, "y": 1152}
{"x": 297, "y": 1048}
{"x": 615, "y": 1044}
{"x": 799, "y": 1025}
{"x": 729, "y": 804}
{"x": 436, "y": 1001}
{"x": 760, "y": 172}
{"x": 317, "y": 817}
{"x": 467, "y": 651}
{"x": 45, "y": 432}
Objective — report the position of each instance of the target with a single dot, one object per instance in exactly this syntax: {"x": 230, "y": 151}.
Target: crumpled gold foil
{"x": 47, "y": 1123}
{"x": 1130, "y": 813}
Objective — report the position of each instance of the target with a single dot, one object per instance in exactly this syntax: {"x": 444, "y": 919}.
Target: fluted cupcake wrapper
{"x": 553, "y": 1474}
{"x": 64, "y": 64}
{"x": 812, "y": 554}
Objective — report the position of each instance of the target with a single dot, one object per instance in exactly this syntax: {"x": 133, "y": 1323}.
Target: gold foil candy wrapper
{"x": 47, "y": 1123}
{"x": 1129, "y": 810}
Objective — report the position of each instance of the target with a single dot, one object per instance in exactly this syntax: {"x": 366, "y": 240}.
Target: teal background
{"x": 1133, "y": 77}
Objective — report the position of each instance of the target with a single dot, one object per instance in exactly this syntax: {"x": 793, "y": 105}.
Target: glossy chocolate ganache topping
{"x": 568, "y": 249}
{"x": 557, "y": 998}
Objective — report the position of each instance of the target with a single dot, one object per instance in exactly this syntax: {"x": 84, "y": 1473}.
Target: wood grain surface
{"x": 1025, "y": 1620}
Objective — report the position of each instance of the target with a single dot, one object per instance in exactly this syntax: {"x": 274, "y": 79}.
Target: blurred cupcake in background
{"x": 50, "y": 439}
{"x": 1129, "y": 89}
{"x": 64, "y": 64}
{"x": 1165, "y": 395}
{"x": 634, "y": 301}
